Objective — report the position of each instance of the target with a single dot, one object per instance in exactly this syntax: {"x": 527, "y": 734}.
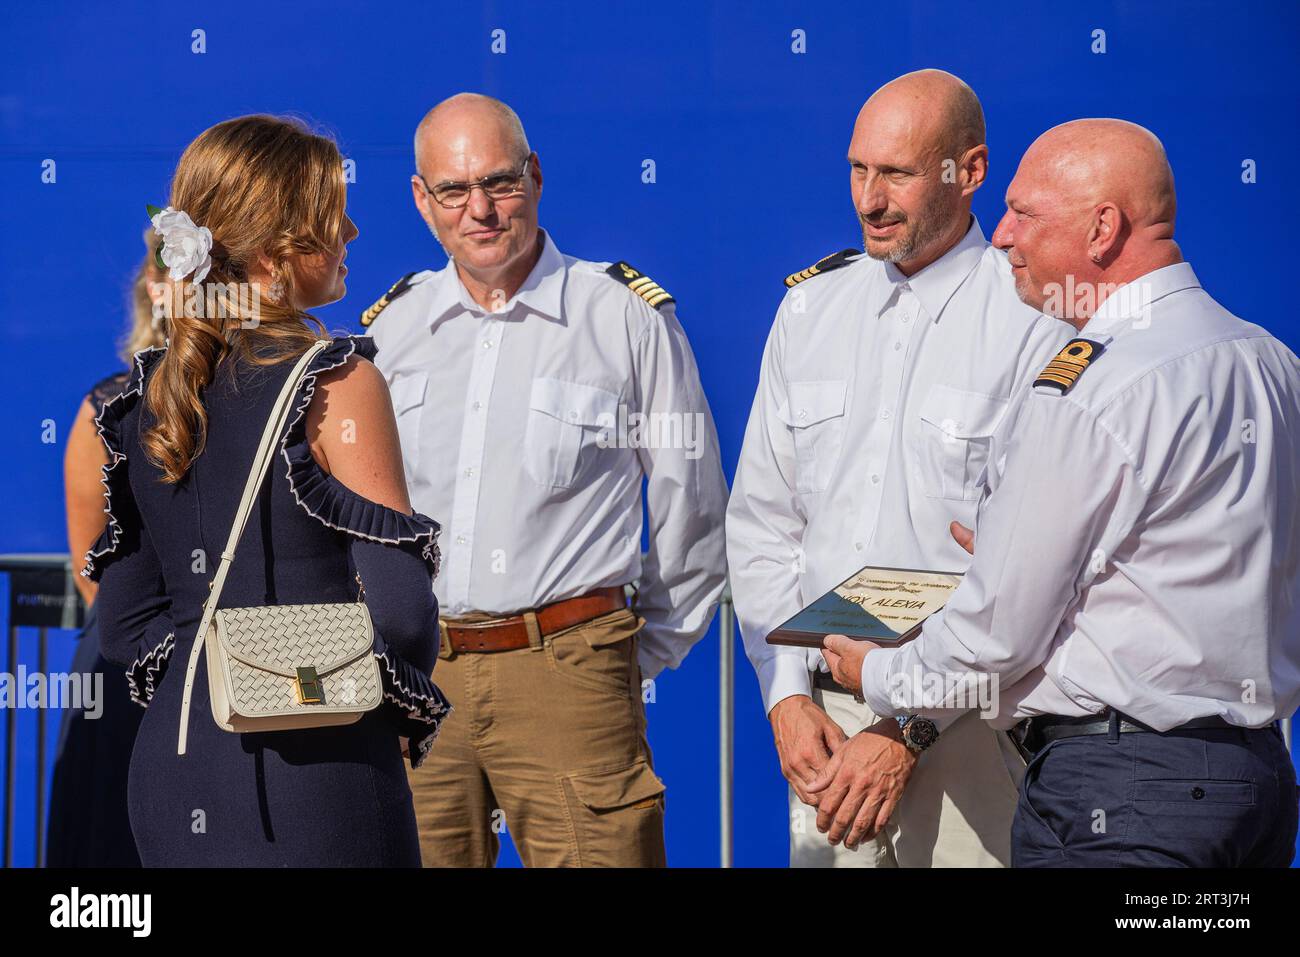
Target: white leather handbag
{"x": 277, "y": 667}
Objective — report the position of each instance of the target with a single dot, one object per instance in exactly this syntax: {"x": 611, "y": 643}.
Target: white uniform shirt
{"x": 1138, "y": 548}
{"x": 510, "y": 429}
{"x": 873, "y": 421}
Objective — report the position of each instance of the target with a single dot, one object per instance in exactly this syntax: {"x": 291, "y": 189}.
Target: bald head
{"x": 938, "y": 106}
{"x": 1101, "y": 160}
{"x": 470, "y": 116}
{"x": 1091, "y": 208}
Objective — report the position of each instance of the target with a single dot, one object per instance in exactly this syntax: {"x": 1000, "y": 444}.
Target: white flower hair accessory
{"x": 186, "y": 248}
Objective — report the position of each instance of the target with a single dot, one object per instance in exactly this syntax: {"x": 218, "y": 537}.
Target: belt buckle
{"x": 1022, "y": 735}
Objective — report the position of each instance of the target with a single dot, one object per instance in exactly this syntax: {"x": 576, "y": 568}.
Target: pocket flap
{"x": 963, "y": 415}
{"x": 607, "y": 790}
{"x": 408, "y": 391}
{"x": 283, "y": 638}
{"x": 812, "y": 402}
{"x": 575, "y": 403}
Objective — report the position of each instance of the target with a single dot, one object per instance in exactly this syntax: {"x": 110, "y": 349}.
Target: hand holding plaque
{"x": 883, "y": 605}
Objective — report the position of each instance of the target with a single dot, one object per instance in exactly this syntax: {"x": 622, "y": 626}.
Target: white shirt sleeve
{"x": 685, "y": 567}
{"x": 765, "y": 526}
{"x": 1069, "y": 497}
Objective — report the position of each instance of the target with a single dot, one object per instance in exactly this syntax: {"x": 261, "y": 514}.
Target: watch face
{"x": 921, "y": 733}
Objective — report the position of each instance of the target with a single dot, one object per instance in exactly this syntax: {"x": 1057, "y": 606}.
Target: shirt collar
{"x": 934, "y": 285}
{"x": 1133, "y": 300}
{"x": 542, "y": 292}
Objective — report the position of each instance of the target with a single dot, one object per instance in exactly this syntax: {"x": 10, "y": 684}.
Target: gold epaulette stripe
{"x": 640, "y": 284}
{"x": 1066, "y": 366}
{"x": 826, "y": 263}
{"x": 382, "y": 302}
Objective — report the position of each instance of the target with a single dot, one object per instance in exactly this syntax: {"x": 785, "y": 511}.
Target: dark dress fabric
{"x": 333, "y": 796}
{"x": 88, "y": 824}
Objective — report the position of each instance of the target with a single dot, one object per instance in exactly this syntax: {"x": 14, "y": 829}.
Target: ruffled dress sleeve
{"x": 396, "y": 556}
{"x": 132, "y": 607}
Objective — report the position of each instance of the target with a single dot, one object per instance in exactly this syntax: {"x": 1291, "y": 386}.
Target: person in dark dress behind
{"x": 88, "y": 823}
{"x": 332, "y": 522}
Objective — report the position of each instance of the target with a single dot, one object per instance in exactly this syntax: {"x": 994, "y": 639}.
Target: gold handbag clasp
{"x": 310, "y": 690}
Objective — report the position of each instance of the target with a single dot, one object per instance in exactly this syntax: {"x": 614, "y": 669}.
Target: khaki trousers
{"x": 956, "y": 811}
{"x": 549, "y": 743}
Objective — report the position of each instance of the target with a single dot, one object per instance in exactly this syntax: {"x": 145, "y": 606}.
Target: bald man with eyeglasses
{"x": 535, "y": 393}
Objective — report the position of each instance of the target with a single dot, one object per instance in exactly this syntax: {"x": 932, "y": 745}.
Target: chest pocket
{"x": 814, "y": 413}
{"x": 408, "y": 394}
{"x": 567, "y": 423}
{"x": 955, "y": 437}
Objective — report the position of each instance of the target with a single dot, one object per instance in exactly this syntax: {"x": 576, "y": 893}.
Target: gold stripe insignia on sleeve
{"x": 1070, "y": 363}
{"x": 399, "y": 287}
{"x": 641, "y": 284}
{"x": 825, "y": 264}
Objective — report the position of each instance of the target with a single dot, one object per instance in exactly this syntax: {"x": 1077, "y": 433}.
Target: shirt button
{"x": 803, "y": 413}
{"x": 487, "y": 344}
{"x": 469, "y": 473}
{"x": 897, "y": 346}
{"x": 907, "y": 317}
{"x": 1198, "y": 793}
{"x": 573, "y": 415}
{"x": 857, "y": 546}
{"x": 884, "y": 413}
{"x": 477, "y": 405}
{"x": 460, "y": 539}
{"x": 875, "y": 479}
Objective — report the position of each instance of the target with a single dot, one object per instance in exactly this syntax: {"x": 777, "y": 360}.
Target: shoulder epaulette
{"x": 641, "y": 284}
{"x": 1070, "y": 363}
{"x": 826, "y": 264}
{"x": 399, "y": 287}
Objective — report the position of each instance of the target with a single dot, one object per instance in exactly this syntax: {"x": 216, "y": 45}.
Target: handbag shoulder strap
{"x": 261, "y": 462}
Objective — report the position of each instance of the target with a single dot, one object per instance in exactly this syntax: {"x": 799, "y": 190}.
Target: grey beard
{"x": 927, "y": 230}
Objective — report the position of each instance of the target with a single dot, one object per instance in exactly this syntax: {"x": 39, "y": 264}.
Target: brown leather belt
{"x": 510, "y": 634}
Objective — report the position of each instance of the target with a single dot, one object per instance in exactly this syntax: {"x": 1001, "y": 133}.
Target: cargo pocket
{"x": 814, "y": 413}
{"x": 568, "y": 425}
{"x": 618, "y": 816}
{"x": 954, "y": 440}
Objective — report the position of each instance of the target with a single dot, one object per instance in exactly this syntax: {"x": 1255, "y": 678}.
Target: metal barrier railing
{"x": 41, "y": 596}
{"x": 726, "y": 721}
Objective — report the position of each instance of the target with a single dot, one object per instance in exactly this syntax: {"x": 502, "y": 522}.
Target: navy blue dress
{"x": 333, "y": 796}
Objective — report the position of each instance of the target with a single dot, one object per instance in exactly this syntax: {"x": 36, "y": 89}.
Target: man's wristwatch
{"x": 918, "y": 732}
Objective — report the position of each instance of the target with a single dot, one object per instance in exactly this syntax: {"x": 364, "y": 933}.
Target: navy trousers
{"x": 1218, "y": 797}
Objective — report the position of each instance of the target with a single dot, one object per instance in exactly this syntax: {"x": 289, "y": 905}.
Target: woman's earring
{"x": 276, "y": 292}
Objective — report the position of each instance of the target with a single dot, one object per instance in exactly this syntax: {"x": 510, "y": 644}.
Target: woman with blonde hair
{"x": 255, "y": 234}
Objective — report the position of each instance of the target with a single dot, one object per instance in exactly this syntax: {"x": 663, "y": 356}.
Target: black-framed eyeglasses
{"x": 497, "y": 186}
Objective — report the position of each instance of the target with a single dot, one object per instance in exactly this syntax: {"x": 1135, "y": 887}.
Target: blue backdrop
{"x": 748, "y": 139}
